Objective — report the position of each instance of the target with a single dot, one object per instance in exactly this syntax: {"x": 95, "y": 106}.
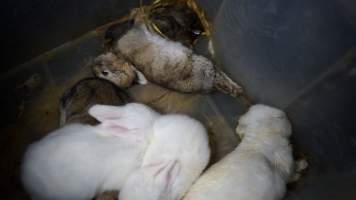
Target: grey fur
{"x": 115, "y": 69}
{"x": 171, "y": 64}
{"x": 76, "y": 101}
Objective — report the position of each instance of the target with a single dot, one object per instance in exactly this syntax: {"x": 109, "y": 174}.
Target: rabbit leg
{"x": 108, "y": 195}
{"x": 141, "y": 79}
{"x": 224, "y": 84}
{"x": 300, "y": 166}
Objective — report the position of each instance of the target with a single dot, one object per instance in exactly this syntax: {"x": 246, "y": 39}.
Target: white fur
{"x": 258, "y": 168}
{"x": 141, "y": 79}
{"x": 176, "y": 156}
{"x": 78, "y": 161}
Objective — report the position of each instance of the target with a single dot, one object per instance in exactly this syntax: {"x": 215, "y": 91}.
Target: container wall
{"x": 300, "y": 55}
{"x": 30, "y": 28}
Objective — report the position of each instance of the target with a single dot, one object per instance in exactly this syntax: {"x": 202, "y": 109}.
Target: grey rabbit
{"x": 76, "y": 101}
{"x": 167, "y": 63}
{"x": 177, "y": 22}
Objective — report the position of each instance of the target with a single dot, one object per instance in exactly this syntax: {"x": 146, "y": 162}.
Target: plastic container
{"x": 298, "y": 55}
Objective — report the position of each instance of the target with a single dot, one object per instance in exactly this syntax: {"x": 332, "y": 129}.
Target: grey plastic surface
{"x": 298, "y": 55}
{"x": 29, "y": 28}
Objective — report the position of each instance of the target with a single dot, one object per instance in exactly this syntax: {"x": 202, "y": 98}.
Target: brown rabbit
{"x": 115, "y": 69}
{"x": 75, "y": 101}
{"x": 171, "y": 64}
{"x": 177, "y": 22}
{"x": 161, "y": 61}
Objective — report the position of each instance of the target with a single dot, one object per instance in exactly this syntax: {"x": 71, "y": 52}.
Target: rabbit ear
{"x": 152, "y": 181}
{"x": 164, "y": 173}
{"x": 112, "y": 128}
{"x": 105, "y": 113}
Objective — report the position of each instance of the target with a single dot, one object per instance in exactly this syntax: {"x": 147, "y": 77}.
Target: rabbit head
{"x": 263, "y": 119}
{"x": 75, "y": 101}
{"x": 114, "y": 68}
{"x": 123, "y": 120}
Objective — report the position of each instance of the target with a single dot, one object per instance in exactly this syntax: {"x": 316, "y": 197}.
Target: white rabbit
{"x": 178, "y": 153}
{"x": 258, "y": 168}
{"x": 78, "y": 161}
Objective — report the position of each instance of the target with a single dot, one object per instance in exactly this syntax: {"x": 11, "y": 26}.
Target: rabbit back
{"x": 76, "y": 101}
{"x": 240, "y": 176}
{"x": 177, "y": 154}
{"x": 75, "y": 163}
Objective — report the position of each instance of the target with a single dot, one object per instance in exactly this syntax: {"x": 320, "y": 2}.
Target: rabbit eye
{"x": 196, "y": 32}
{"x": 105, "y": 73}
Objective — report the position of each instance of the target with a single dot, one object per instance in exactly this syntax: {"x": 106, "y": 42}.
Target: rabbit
{"x": 177, "y": 22}
{"x": 117, "y": 70}
{"x": 178, "y": 153}
{"x": 167, "y": 63}
{"x": 109, "y": 65}
{"x": 116, "y": 30}
{"x": 76, "y": 101}
{"x": 258, "y": 168}
{"x": 79, "y": 161}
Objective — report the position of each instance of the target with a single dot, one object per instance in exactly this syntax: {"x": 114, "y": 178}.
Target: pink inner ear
{"x": 104, "y": 113}
{"x": 114, "y": 129}
{"x": 166, "y": 171}
{"x": 173, "y": 172}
